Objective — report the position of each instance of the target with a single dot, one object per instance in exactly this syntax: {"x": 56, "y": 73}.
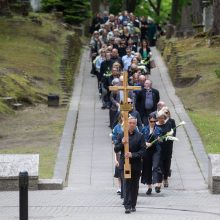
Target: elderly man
{"x": 115, "y": 57}
{"x": 146, "y": 101}
{"x": 136, "y": 151}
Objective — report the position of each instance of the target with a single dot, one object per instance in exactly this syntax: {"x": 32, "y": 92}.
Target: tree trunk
{"x": 174, "y": 12}
{"x": 156, "y": 7}
{"x": 216, "y": 13}
{"x": 131, "y": 5}
{"x": 4, "y": 9}
{"x": 94, "y": 5}
{"x": 197, "y": 11}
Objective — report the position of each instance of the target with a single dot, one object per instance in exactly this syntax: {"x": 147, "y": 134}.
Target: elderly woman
{"x": 151, "y": 171}
{"x": 166, "y": 146}
{"x": 172, "y": 123}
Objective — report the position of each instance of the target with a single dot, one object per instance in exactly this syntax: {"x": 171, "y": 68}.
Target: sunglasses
{"x": 152, "y": 121}
{"x": 130, "y": 102}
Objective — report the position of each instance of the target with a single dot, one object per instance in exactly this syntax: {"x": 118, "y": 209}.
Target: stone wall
{"x": 214, "y": 173}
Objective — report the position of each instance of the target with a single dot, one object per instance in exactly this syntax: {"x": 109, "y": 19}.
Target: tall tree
{"x": 4, "y": 8}
{"x": 216, "y": 13}
{"x": 175, "y": 12}
{"x": 156, "y": 6}
{"x": 197, "y": 11}
{"x": 95, "y": 6}
{"x": 131, "y": 5}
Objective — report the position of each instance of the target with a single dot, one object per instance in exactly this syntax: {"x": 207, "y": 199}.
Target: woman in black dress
{"x": 172, "y": 123}
{"x": 166, "y": 146}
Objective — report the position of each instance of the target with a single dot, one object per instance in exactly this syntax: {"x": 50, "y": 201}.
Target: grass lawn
{"x": 202, "y": 99}
{"x": 208, "y": 126}
{"x": 29, "y": 70}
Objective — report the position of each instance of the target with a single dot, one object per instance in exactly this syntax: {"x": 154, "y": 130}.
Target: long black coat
{"x": 136, "y": 147}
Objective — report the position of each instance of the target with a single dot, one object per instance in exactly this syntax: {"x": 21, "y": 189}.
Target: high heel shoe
{"x": 157, "y": 189}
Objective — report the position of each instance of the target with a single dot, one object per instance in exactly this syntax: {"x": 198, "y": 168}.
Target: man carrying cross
{"x": 131, "y": 144}
{"x": 135, "y": 153}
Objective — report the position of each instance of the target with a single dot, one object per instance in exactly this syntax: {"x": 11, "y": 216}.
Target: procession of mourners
{"x": 121, "y": 44}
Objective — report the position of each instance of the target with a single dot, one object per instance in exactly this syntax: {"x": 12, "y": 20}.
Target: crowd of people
{"x": 122, "y": 43}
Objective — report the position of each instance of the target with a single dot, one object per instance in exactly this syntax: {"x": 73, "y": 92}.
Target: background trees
{"x": 74, "y": 11}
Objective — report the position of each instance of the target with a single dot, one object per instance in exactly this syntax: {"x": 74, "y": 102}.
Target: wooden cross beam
{"x": 125, "y": 108}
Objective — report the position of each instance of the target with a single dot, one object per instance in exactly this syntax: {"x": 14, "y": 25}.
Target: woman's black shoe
{"x": 149, "y": 191}
{"x": 157, "y": 189}
{"x": 133, "y": 209}
{"x": 127, "y": 211}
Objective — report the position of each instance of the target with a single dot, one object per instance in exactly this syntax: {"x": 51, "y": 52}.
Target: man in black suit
{"x": 146, "y": 101}
{"x": 136, "y": 151}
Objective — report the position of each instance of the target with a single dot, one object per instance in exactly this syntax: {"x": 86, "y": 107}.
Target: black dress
{"x": 166, "y": 150}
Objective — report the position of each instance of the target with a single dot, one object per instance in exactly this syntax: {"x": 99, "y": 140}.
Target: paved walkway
{"x": 91, "y": 193}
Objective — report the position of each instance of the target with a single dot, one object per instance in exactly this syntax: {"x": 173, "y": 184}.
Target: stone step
{"x": 63, "y": 104}
{"x": 50, "y": 184}
{"x": 8, "y": 99}
{"x": 17, "y": 106}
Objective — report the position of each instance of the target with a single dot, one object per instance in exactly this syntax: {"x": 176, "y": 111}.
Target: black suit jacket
{"x": 140, "y": 101}
{"x": 136, "y": 147}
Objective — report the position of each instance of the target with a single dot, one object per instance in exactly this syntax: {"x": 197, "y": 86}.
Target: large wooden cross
{"x": 125, "y": 107}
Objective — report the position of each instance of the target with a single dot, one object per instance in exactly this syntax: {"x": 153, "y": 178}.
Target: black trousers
{"x": 166, "y": 157}
{"x": 130, "y": 189}
{"x": 151, "y": 172}
{"x": 112, "y": 117}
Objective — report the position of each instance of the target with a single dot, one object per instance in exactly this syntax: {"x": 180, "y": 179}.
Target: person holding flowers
{"x": 166, "y": 145}
{"x": 172, "y": 122}
{"x": 151, "y": 171}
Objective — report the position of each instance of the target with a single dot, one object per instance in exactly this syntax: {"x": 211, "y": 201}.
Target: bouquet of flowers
{"x": 168, "y": 136}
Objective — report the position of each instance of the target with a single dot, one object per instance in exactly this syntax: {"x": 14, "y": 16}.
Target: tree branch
{"x": 152, "y": 5}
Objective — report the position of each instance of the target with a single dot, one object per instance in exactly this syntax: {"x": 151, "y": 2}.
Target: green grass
{"x": 30, "y": 57}
{"x": 35, "y": 131}
{"x": 29, "y": 70}
{"x": 208, "y": 125}
{"x": 203, "y": 97}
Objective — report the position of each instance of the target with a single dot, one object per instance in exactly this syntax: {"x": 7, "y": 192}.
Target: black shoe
{"x": 170, "y": 171}
{"x": 133, "y": 209}
{"x": 149, "y": 191}
{"x": 127, "y": 211}
{"x": 157, "y": 189}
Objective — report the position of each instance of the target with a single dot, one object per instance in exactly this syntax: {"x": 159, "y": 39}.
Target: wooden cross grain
{"x": 125, "y": 107}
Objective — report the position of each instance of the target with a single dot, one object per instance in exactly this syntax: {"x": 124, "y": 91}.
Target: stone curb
{"x": 63, "y": 156}
{"x": 50, "y": 184}
{"x": 191, "y": 131}
{"x": 65, "y": 148}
